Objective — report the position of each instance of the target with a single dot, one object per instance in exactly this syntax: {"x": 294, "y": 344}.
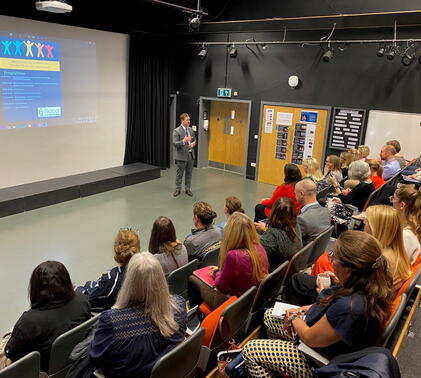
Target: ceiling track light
{"x": 407, "y": 59}
{"x": 391, "y": 53}
{"x": 328, "y": 54}
{"x": 381, "y": 51}
{"x": 232, "y": 51}
{"x": 203, "y": 52}
{"x": 194, "y": 22}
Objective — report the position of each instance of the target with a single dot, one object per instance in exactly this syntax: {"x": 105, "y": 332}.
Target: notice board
{"x": 348, "y": 127}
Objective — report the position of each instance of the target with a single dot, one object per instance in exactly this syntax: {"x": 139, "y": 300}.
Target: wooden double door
{"x": 228, "y": 135}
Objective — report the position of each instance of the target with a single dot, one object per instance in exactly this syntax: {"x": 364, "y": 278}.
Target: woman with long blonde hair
{"x": 384, "y": 223}
{"x": 407, "y": 201}
{"x": 145, "y": 321}
{"x": 312, "y": 169}
{"x": 242, "y": 263}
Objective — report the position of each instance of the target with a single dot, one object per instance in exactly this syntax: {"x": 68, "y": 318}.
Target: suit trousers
{"x": 187, "y": 166}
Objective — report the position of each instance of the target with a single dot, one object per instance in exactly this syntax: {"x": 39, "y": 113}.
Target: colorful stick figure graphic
{"x": 29, "y": 45}
{"x": 39, "y": 46}
{"x": 18, "y": 44}
{"x": 6, "y": 47}
{"x": 49, "y": 51}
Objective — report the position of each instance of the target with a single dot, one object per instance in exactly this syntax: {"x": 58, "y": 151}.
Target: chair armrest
{"x": 312, "y": 354}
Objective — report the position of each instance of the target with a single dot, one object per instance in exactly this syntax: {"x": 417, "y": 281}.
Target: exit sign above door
{"x": 224, "y": 92}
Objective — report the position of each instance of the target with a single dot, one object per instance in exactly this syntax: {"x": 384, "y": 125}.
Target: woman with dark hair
{"x": 292, "y": 175}
{"x": 103, "y": 292}
{"x": 164, "y": 245}
{"x": 281, "y": 236}
{"x": 205, "y": 236}
{"x": 55, "y": 309}
{"x": 346, "y": 317}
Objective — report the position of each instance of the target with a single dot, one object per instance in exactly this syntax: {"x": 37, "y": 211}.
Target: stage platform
{"x": 17, "y": 199}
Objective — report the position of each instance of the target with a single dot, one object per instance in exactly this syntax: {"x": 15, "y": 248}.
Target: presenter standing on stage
{"x": 184, "y": 141}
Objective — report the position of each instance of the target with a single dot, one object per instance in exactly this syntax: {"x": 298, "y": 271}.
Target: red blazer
{"x": 284, "y": 190}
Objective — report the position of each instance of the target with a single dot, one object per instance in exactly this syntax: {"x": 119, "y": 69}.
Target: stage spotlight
{"x": 407, "y": 59}
{"x": 203, "y": 52}
{"x": 328, "y": 55}
{"x": 194, "y": 22}
{"x": 391, "y": 54}
{"x": 381, "y": 52}
{"x": 232, "y": 51}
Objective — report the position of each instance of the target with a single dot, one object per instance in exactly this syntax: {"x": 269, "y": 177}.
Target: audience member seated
{"x": 392, "y": 166}
{"x": 55, "y": 309}
{"x": 398, "y": 156}
{"x": 313, "y": 218}
{"x": 384, "y": 224}
{"x": 355, "y": 154}
{"x": 358, "y": 170}
{"x": 312, "y": 170}
{"x": 364, "y": 151}
{"x": 376, "y": 173}
{"x": 232, "y": 204}
{"x": 145, "y": 323}
{"x": 205, "y": 235}
{"x": 281, "y": 236}
{"x": 332, "y": 169}
{"x": 407, "y": 201}
{"x": 102, "y": 293}
{"x": 345, "y": 158}
{"x": 292, "y": 175}
{"x": 163, "y": 244}
{"x": 243, "y": 263}
{"x": 345, "y": 318}
{"x": 349, "y": 185}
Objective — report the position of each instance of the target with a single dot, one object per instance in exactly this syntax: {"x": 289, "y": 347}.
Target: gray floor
{"x": 80, "y": 233}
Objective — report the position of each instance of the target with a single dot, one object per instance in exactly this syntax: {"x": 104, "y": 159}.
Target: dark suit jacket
{"x": 181, "y": 151}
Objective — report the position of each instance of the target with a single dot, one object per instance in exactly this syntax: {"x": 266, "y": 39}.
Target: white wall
{"x": 383, "y": 126}
{"x": 34, "y": 154}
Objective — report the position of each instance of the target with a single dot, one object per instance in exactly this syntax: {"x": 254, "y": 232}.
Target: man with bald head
{"x": 392, "y": 166}
{"x": 313, "y": 218}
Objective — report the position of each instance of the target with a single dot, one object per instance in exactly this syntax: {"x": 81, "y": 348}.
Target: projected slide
{"x": 46, "y": 81}
{"x": 30, "y": 79}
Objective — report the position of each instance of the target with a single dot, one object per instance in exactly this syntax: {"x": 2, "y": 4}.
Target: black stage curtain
{"x": 150, "y": 73}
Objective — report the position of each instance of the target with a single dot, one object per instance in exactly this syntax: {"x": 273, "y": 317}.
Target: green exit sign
{"x": 224, "y": 92}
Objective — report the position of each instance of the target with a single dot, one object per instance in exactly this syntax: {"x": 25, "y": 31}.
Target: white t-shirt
{"x": 411, "y": 244}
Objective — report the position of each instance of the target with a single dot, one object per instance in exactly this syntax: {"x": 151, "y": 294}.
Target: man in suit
{"x": 313, "y": 218}
{"x": 184, "y": 141}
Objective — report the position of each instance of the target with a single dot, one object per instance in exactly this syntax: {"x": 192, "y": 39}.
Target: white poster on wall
{"x": 284, "y": 118}
{"x": 269, "y": 121}
{"x": 309, "y": 143}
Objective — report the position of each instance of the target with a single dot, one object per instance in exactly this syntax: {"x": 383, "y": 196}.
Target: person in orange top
{"x": 292, "y": 175}
{"x": 376, "y": 173}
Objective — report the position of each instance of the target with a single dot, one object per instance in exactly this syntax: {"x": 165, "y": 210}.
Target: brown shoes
{"x": 177, "y": 192}
{"x": 189, "y": 192}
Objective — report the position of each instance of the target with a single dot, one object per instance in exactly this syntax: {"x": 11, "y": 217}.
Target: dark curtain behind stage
{"x": 150, "y": 73}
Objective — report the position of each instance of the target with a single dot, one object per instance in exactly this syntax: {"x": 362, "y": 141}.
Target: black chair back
{"x": 178, "y": 279}
{"x": 268, "y": 290}
{"x": 64, "y": 345}
{"x": 211, "y": 258}
{"x": 232, "y": 322}
{"x": 320, "y": 244}
{"x": 299, "y": 261}
{"x": 391, "y": 325}
{"x": 26, "y": 367}
{"x": 181, "y": 361}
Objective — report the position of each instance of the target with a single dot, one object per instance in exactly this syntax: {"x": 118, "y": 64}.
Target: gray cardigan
{"x": 279, "y": 247}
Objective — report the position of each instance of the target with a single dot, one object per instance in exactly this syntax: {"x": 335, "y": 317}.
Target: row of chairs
{"x": 237, "y": 319}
